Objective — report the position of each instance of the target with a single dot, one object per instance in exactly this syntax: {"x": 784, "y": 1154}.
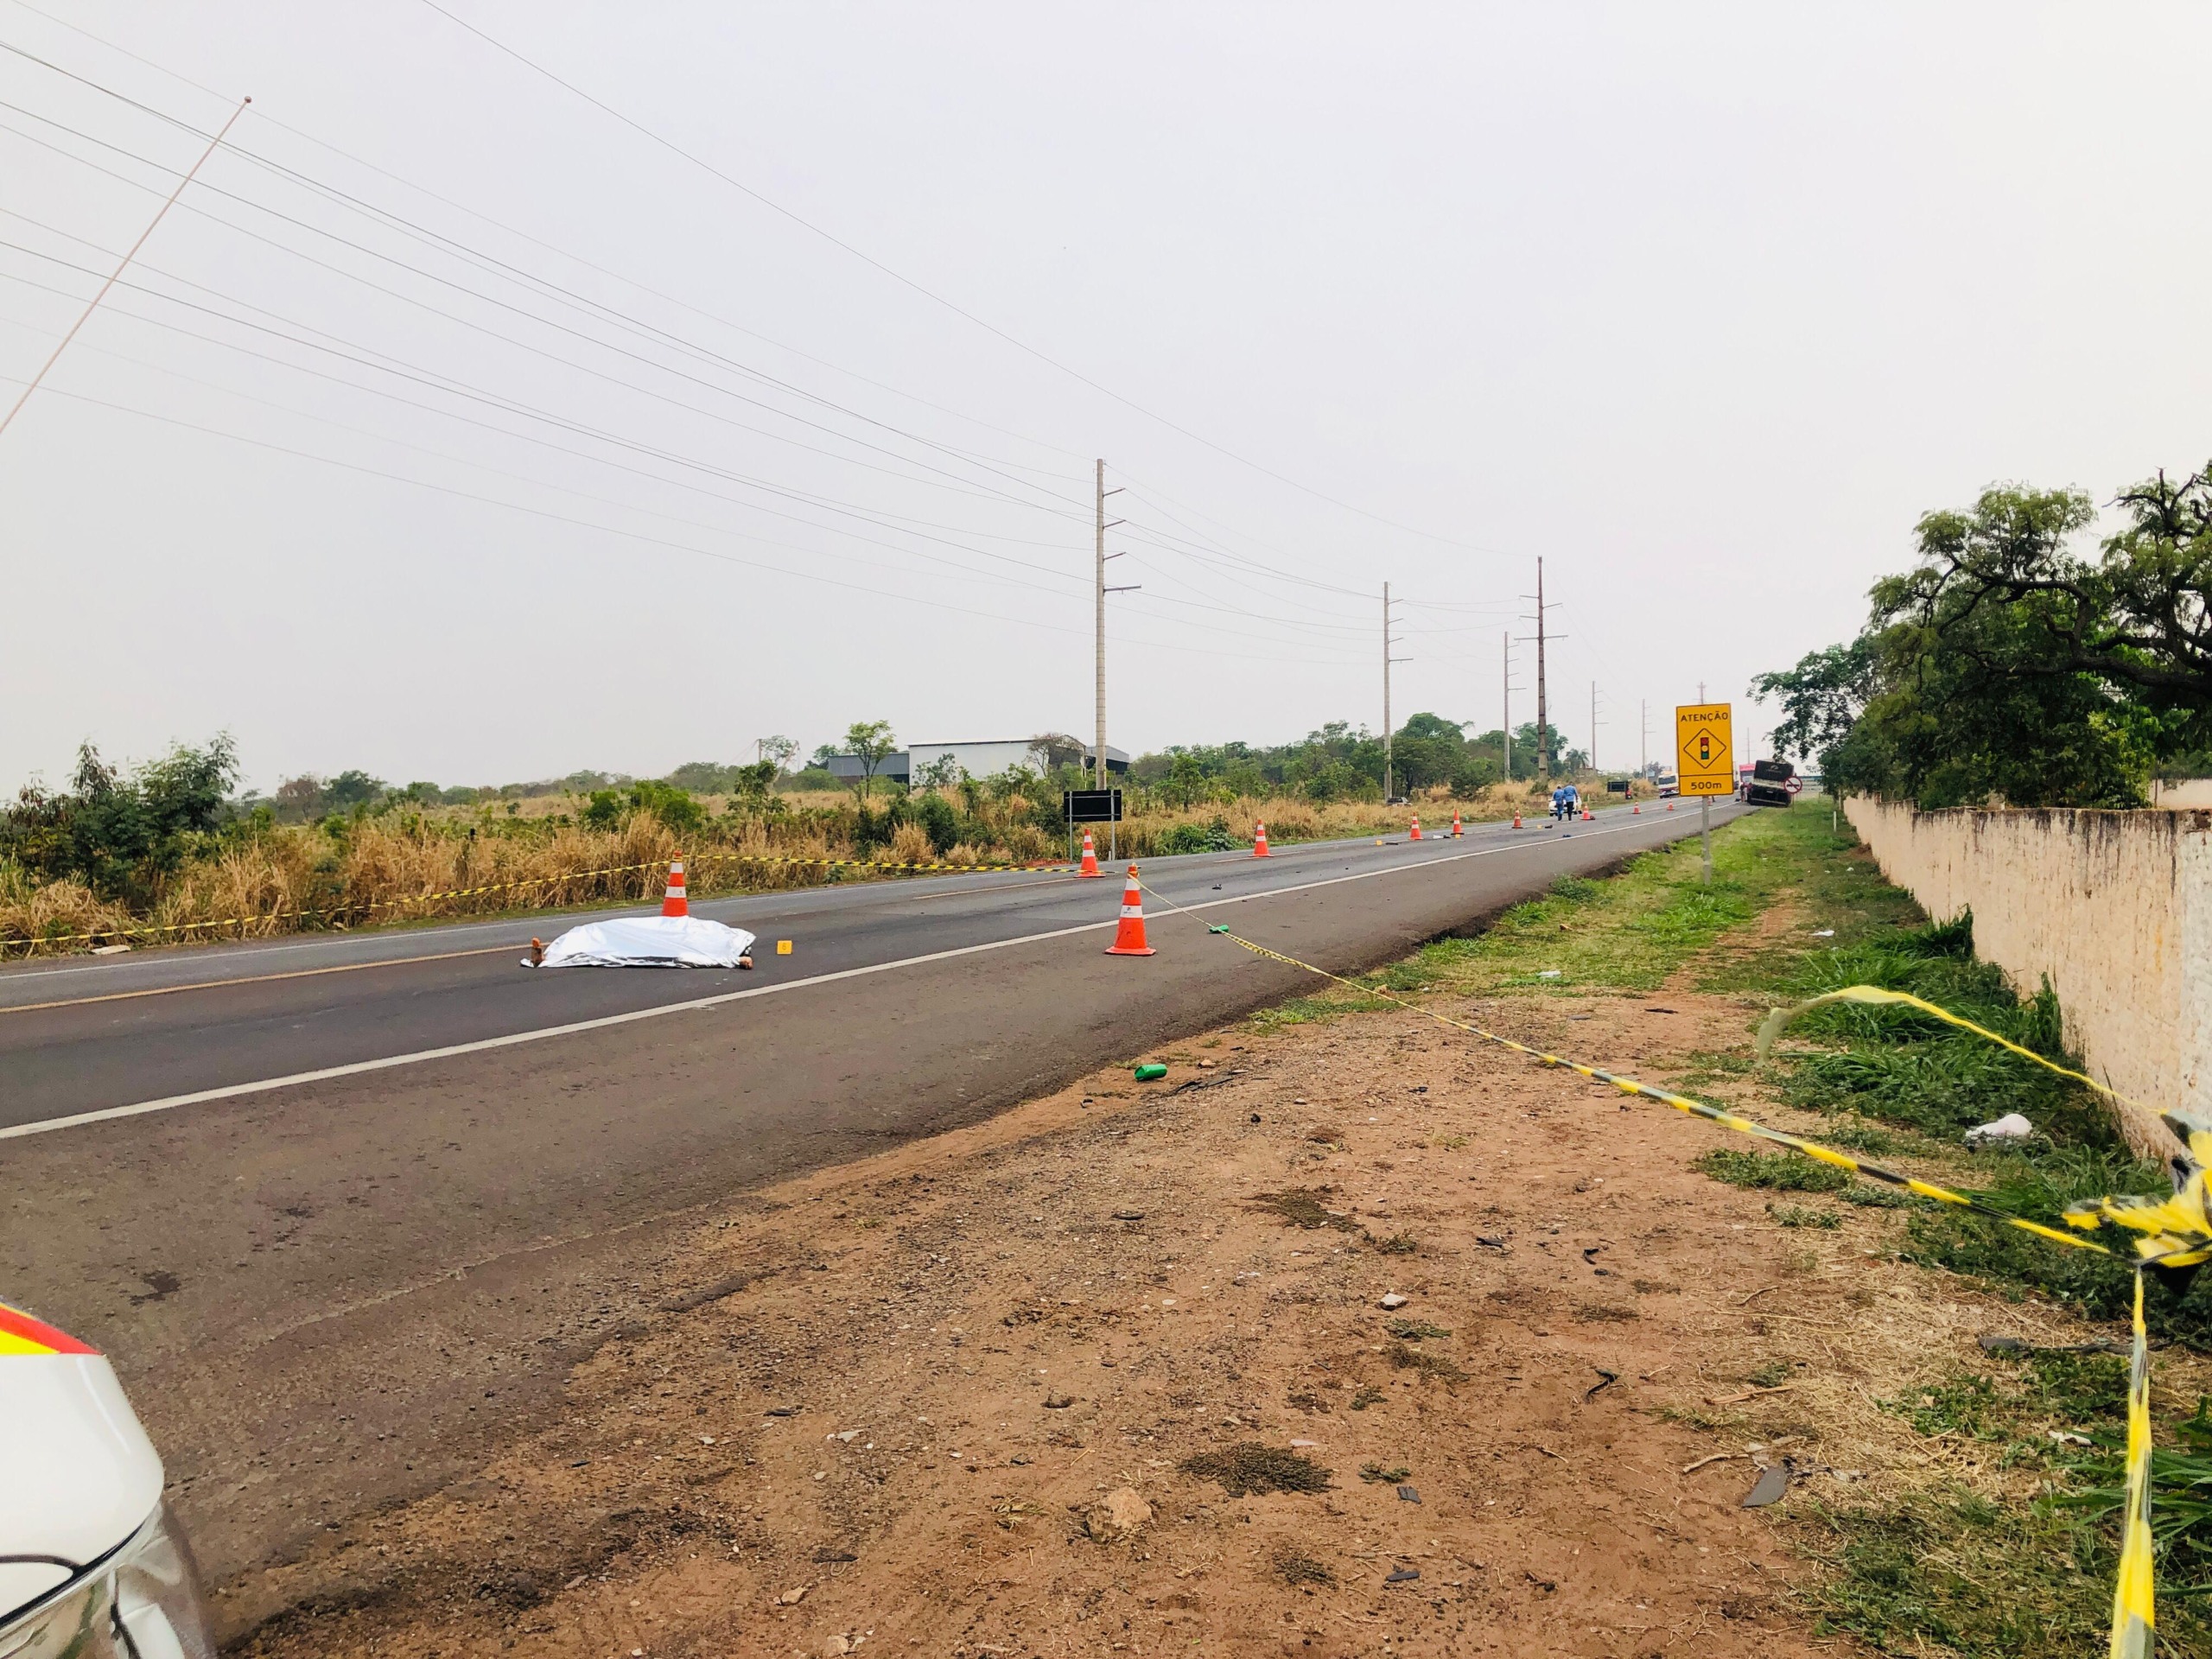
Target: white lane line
{"x": 170, "y": 1102}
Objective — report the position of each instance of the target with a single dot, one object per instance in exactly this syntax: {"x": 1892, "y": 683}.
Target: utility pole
{"x": 1506, "y": 709}
{"x": 1543, "y": 704}
{"x": 1387, "y": 660}
{"x": 1593, "y": 725}
{"x": 1098, "y": 751}
{"x": 1644, "y": 745}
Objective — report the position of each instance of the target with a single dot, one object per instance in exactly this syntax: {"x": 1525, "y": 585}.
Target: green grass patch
{"x": 1780, "y": 1172}
{"x": 1629, "y": 931}
{"x": 1948, "y": 1570}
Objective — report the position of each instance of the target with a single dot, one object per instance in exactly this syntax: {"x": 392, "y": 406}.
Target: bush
{"x": 121, "y": 836}
{"x": 610, "y": 808}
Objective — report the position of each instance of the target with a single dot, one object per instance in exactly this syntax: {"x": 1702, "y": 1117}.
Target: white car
{"x": 91, "y": 1564}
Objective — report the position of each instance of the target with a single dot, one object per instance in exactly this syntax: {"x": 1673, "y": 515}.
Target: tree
{"x": 2009, "y": 665}
{"x": 122, "y": 836}
{"x": 1821, "y": 698}
{"x": 778, "y": 749}
{"x": 354, "y": 787}
{"x": 868, "y": 741}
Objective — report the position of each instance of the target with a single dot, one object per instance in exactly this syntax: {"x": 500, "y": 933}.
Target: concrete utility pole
{"x": 1643, "y": 744}
{"x": 1505, "y": 709}
{"x": 1544, "y": 701}
{"x": 1593, "y": 725}
{"x": 1543, "y": 707}
{"x": 1098, "y": 751}
{"x": 1387, "y": 660}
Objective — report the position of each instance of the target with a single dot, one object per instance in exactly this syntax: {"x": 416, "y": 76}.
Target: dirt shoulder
{"x": 1012, "y": 1390}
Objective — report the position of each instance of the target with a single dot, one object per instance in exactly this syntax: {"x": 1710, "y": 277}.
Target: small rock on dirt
{"x": 1116, "y": 1516}
{"x": 1394, "y": 1301}
{"x": 792, "y": 1597}
{"x": 1769, "y": 1488}
{"x": 1408, "y": 1494}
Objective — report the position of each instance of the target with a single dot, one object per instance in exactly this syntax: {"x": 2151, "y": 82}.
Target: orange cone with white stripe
{"x": 1260, "y": 842}
{"x": 1636, "y": 811}
{"x": 1585, "y": 815}
{"x": 1128, "y": 938}
{"x": 1456, "y": 831}
{"x": 675, "y": 904}
{"x": 1090, "y": 857}
{"x": 1516, "y": 820}
{"x": 1416, "y": 833}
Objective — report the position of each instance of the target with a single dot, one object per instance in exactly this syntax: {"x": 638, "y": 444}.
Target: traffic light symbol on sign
{"x": 1705, "y": 748}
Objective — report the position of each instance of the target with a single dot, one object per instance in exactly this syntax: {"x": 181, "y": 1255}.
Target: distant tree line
{"x": 2012, "y": 664}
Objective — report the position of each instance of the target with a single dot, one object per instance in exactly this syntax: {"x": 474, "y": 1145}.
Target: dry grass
{"x": 465, "y": 861}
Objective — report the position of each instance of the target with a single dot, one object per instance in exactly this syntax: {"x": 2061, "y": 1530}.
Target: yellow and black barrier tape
{"x": 2172, "y": 1233}
{"x": 340, "y": 914}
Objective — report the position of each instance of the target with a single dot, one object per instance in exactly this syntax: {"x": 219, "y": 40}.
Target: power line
{"x": 930, "y": 295}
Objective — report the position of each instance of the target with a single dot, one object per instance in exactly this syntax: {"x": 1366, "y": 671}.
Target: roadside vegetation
{"x": 170, "y": 852}
{"x": 2011, "y": 665}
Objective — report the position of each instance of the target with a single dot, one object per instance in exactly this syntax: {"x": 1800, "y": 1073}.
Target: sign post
{"x": 1704, "y": 759}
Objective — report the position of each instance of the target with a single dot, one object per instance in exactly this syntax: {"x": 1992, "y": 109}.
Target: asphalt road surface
{"x": 344, "y": 1210}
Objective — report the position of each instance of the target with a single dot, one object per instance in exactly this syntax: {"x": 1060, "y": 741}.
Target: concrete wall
{"x": 2115, "y": 908}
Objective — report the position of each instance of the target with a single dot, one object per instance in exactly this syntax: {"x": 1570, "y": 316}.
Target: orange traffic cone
{"x": 1416, "y": 833}
{"x": 1516, "y": 820}
{"x": 1585, "y": 815}
{"x": 1090, "y": 857}
{"x": 674, "y": 905}
{"x": 1636, "y": 811}
{"x": 1128, "y": 938}
{"x": 1456, "y": 831}
{"x": 1671, "y": 806}
{"x": 1260, "y": 842}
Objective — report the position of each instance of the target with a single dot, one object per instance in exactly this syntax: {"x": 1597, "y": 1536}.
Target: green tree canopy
{"x": 2009, "y": 665}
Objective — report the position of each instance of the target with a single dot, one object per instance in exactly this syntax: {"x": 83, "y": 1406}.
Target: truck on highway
{"x": 1669, "y": 783}
{"x": 92, "y": 1565}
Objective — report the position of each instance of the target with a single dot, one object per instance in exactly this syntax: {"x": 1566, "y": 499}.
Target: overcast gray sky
{"x": 467, "y": 434}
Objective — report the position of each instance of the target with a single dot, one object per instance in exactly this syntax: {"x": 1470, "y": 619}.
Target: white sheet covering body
{"x": 650, "y": 942}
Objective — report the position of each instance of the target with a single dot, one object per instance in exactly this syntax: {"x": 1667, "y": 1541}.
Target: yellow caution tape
{"x": 146, "y": 930}
{"x": 2174, "y": 1232}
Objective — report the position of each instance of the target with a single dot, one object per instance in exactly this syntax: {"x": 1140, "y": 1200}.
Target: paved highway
{"x": 344, "y": 1210}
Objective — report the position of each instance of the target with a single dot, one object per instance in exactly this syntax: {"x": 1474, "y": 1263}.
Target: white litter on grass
{"x": 1824, "y": 932}
{"x": 650, "y": 942}
{"x": 2011, "y": 1126}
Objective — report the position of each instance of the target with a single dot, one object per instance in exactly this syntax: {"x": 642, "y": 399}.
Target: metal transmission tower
{"x": 1387, "y": 660}
{"x": 1099, "y": 753}
{"x": 1543, "y": 705}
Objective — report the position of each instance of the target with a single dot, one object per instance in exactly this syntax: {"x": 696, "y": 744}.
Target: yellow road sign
{"x": 1704, "y": 753}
